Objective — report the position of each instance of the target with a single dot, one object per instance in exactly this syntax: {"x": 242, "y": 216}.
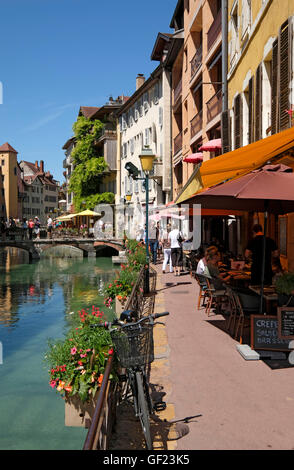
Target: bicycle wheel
{"x": 143, "y": 410}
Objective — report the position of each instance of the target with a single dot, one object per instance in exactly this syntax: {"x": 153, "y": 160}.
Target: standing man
{"x": 37, "y": 227}
{"x": 254, "y": 251}
{"x": 153, "y": 241}
{"x": 49, "y": 226}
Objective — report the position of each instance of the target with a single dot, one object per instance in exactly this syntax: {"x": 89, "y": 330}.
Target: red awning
{"x": 211, "y": 145}
{"x": 194, "y": 158}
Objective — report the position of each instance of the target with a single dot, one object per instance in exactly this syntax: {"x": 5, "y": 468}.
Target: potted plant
{"x": 285, "y": 289}
{"x": 77, "y": 364}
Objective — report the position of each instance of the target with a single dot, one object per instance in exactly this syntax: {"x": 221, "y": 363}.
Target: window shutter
{"x": 274, "y": 84}
{"x": 237, "y": 122}
{"x": 225, "y": 125}
{"x": 284, "y": 76}
{"x": 258, "y": 103}
{"x": 251, "y": 114}
{"x": 160, "y": 116}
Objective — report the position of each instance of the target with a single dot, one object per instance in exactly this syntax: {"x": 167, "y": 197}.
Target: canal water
{"x": 36, "y": 303}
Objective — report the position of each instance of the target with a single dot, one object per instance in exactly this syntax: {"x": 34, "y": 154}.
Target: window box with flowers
{"x": 77, "y": 364}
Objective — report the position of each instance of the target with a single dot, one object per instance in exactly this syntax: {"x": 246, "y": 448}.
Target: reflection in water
{"x": 36, "y": 302}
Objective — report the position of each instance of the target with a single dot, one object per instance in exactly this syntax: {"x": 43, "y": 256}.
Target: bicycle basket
{"x": 134, "y": 345}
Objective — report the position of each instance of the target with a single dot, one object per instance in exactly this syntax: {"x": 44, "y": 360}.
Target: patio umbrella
{"x": 89, "y": 213}
{"x": 211, "y": 145}
{"x": 268, "y": 189}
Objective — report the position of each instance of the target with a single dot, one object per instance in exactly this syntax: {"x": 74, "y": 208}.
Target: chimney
{"x": 41, "y": 166}
{"x": 139, "y": 80}
{"x": 36, "y": 164}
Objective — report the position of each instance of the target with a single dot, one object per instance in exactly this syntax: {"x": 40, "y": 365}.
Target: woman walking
{"x": 31, "y": 226}
{"x": 165, "y": 244}
{"x": 176, "y": 238}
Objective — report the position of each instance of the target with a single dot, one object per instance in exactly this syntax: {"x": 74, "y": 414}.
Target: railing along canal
{"x": 104, "y": 416}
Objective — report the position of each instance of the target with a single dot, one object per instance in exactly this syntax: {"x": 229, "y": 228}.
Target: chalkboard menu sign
{"x": 286, "y": 322}
{"x": 265, "y": 333}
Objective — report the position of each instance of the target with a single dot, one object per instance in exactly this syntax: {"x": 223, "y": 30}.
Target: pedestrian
{"x": 49, "y": 226}
{"x": 254, "y": 250}
{"x": 24, "y": 228}
{"x": 176, "y": 239}
{"x": 153, "y": 241}
{"x": 37, "y": 227}
{"x": 165, "y": 243}
{"x": 31, "y": 226}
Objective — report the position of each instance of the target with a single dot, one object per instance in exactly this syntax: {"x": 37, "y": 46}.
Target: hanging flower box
{"x": 77, "y": 365}
{"x": 76, "y": 412}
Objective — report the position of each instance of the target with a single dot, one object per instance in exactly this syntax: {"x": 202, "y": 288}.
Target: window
{"x": 2, "y": 162}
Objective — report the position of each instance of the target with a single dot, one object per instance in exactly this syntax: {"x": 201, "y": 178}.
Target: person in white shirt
{"x": 165, "y": 243}
{"x": 49, "y": 226}
{"x": 176, "y": 238}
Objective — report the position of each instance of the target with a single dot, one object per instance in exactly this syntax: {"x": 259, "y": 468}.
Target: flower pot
{"x": 77, "y": 412}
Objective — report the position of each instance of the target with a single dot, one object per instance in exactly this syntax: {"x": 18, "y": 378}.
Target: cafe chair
{"x": 247, "y": 303}
{"x": 215, "y": 296}
{"x": 203, "y": 289}
{"x": 232, "y": 311}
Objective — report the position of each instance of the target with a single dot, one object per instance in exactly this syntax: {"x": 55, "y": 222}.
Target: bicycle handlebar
{"x": 108, "y": 325}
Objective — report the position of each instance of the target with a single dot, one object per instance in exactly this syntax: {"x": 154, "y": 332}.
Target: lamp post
{"x": 147, "y": 157}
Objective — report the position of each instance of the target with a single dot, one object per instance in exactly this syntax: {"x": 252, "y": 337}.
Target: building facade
{"x": 144, "y": 121}
{"x": 197, "y": 83}
{"x": 8, "y": 163}
{"x": 41, "y": 191}
{"x": 260, "y": 69}
{"x": 106, "y": 146}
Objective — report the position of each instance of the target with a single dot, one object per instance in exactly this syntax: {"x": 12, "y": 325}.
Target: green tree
{"x": 89, "y": 165}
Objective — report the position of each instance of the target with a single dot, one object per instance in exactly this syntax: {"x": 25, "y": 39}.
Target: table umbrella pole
{"x": 263, "y": 258}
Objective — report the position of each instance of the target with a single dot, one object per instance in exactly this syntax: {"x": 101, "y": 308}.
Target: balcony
{"x": 178, "y": 142}
{"x": 178, "y": 91}
{"x": 214, "y": 30}
{"x": 196, "y": 124}
{"x": 108, "y": 132}
{"x": 196, "y": 62}
{"x": 214, "y": 106}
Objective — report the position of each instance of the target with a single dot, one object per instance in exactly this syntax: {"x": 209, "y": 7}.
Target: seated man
{"x": 212, "y": 271}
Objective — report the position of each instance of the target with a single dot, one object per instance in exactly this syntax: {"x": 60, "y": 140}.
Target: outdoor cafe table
{"x": 270, "y": 295}
{"x": 238, "y": 277}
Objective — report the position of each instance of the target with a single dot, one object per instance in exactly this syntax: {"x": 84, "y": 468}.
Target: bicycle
{"x": 133, "y": 343}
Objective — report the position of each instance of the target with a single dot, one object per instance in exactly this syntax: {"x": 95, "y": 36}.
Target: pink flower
{"x": 53, "y": 383}
{"x": 73, "y": 351}
{"x": 110, "y": 352}
{"x": 83, "y": 355}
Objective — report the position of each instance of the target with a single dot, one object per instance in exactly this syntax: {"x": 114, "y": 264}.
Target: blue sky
{"x": 58, "y": 55}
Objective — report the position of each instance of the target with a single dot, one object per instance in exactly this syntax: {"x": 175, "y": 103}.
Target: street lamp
{"x": 147, "y": 157}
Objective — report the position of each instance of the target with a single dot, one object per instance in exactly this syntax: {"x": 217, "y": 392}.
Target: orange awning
{"x": 240, "y": 162}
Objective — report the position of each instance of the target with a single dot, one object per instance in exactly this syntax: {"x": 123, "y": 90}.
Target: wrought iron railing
{"x": 214, "y": 106}
{"x": 214, "y": 30}
{"x": 100, "y": 428}
{"x": 178, "y": 91}
{"x": 196, "y": 62}
{"x": 196, "y": 124}
{"x": 178, "y": 142}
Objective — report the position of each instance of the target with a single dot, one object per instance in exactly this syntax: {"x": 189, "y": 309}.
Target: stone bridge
{"x": 89, "y": 246}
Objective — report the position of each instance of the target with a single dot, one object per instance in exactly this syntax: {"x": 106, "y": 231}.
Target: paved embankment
{"x": 234, "y": 403}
